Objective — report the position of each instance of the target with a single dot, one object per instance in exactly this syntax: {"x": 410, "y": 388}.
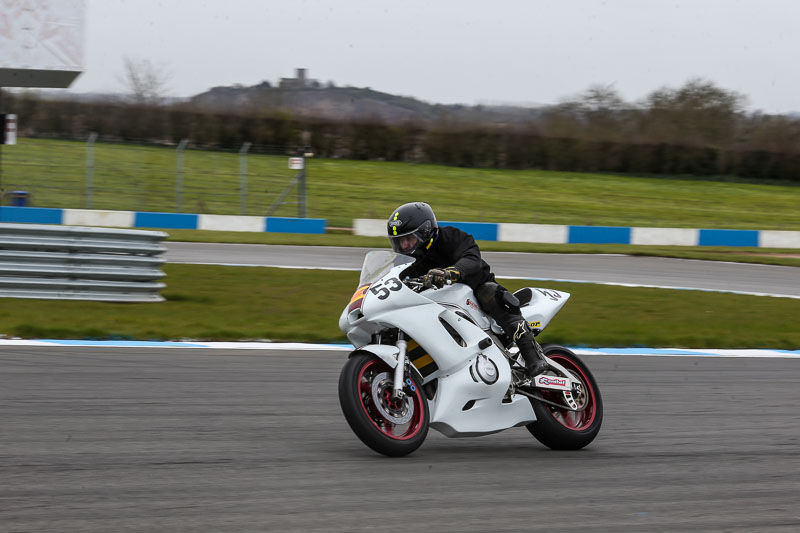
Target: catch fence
{"x": 88, "y": 174}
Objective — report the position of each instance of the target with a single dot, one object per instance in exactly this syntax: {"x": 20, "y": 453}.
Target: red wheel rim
{"x": 574, "y": 420}
{"x": 405, "y": 431}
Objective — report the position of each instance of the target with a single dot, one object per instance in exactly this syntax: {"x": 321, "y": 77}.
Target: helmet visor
{"x": 405, "y": 244}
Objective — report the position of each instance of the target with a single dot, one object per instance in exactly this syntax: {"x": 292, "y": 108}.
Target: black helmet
{"x": 412, "y": 228}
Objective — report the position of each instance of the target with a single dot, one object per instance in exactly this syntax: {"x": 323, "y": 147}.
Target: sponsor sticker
{"x": 546, "y": 380}
{"x": 535, "y": 324}
{"x": 473, "y": 305}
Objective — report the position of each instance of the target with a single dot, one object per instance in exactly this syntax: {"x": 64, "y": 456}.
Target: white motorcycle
{"x": 428, "y": 357}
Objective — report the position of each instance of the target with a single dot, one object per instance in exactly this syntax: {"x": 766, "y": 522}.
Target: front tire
{"x": 391, "y": 428}
{"x": 563, "y": 429}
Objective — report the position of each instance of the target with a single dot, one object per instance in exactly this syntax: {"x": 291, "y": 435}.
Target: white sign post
{"x": 10, "y": 129}
{"x": 295, "y": 163}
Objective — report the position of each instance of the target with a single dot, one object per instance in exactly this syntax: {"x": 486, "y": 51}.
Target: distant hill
{"x": 309, "y": 98}
{"x": 352, "y": 103}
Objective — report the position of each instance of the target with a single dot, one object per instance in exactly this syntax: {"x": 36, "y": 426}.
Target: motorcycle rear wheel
{"x": 389, "y": 427}
{"x": 563, "y": 429}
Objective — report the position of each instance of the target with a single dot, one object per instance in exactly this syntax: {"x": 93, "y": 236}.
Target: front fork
{"x": 400, "y": 369}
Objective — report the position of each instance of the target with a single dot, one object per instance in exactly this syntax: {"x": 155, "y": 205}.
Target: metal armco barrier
{"x": 77, "y": 263}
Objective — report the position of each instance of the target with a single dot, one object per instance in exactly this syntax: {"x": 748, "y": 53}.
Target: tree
{"x": 146, "y": 82}
{"x": 699, "y": 113}
{"x": 597, "y": 113}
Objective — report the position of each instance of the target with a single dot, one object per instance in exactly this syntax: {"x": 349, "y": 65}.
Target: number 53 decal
{"x": 381, "y": 290}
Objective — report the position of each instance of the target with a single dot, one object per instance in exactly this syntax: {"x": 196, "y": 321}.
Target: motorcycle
{"x": 428, "y": 357}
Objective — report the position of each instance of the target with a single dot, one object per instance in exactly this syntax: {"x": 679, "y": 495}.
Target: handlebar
{"x": 417, "y": 285}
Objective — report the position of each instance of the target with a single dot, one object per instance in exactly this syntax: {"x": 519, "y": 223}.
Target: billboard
{"x": 41, "y": 42}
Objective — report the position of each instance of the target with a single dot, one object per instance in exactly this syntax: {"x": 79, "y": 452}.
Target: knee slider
{"x": 510, "y": 301}
{"x": 487, "y": 294}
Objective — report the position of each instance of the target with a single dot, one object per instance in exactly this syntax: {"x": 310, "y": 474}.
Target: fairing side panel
{"x": 486, "y": 413}
{"x": 461, "y": 296}
{"x": 422, "y": 324}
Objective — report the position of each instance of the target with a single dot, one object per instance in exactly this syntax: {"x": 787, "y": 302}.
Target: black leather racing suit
{"x": 455, "y": 248}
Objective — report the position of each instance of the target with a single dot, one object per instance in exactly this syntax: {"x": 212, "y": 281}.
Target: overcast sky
{"x": 455, "y": 51}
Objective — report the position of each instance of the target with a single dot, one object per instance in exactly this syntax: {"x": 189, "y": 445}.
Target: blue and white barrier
{"x": 558, "y": 234}
{"x": 535, "y": 233}
{"x": 142, "y": 219}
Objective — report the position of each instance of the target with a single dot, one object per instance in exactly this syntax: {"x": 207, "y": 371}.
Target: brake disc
{"x": 380, "y": 384}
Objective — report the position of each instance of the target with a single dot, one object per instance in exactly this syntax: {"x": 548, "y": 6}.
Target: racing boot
{"x": 532, "y": 354}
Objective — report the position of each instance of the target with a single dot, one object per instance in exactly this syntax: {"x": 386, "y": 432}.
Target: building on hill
{"x": 298, "y": 82}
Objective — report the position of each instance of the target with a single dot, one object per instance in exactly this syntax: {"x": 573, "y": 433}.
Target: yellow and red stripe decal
{"x": 360, "y": 293}
{"x": 358, "y": 297}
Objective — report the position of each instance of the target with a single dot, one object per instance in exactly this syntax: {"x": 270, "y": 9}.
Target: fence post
{"x": 243, "y": 177}
{"x": 306, "y": 154}
{"x": 90, "y": 169}
{"x": 179, "y": 175}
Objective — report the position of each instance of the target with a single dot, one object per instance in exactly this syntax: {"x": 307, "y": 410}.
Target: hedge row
{"x": 475, "y": 146}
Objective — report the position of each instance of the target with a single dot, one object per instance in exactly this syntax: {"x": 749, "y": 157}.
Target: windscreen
{"x": 379, "y": 262}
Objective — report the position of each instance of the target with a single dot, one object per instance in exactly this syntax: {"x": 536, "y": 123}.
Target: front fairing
{"x": 374, "y": 301}
{"x": 379, "y": 266}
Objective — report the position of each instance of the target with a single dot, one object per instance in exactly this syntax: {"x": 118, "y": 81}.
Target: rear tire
{"x": 391, "y": 428}
{"x": 562, "y": 429}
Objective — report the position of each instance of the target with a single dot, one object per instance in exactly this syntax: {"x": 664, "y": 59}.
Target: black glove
{"x": 437, "y": 277}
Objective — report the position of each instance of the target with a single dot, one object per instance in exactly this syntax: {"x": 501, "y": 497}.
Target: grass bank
{"x": 143, "y": 178}
{"x": 230, "y": 303}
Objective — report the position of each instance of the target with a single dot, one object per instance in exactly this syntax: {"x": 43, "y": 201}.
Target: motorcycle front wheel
{"x": 562, "y": 428}
{"x": 391, "y": 427}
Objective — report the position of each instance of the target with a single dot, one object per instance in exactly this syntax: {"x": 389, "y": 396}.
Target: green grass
{"x": 143, "y": 178}
{"x": 227, "y": 303}
{"x": 235, "y": 303}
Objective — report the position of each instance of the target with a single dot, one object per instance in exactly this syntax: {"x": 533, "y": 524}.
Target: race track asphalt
{"x": 132, "y": 439}
{"x": 655, "y": 271}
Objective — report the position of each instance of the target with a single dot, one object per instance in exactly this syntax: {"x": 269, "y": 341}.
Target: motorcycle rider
{"x": 448, "y": 254}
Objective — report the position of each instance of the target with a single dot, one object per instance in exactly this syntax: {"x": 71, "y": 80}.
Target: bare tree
{"x": 597, "y": 113}
{"x": 146, "y": 82}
